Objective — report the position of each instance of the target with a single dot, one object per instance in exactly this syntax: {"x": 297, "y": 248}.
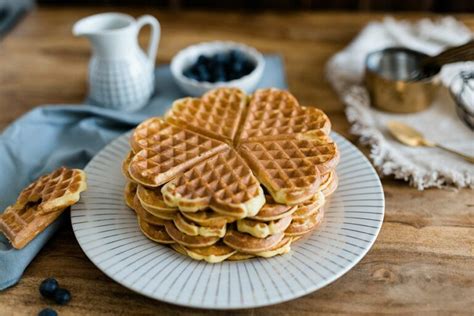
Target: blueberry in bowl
{"x": 221, "y": 67}
{"x": 199, "y": 68}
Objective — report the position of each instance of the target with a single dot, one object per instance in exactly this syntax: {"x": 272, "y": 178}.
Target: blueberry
{"x": 222, "y": 58}
{"x": 237, "y": 56}
{"x": 219, "y": 74}
{"x": 48, "y": 312}
{"x": 238, "y": 67}
{"x": 190, "y": 73}
{"x": 248, "y": 67}
{"x": 62, "y": 296}
{"x": 203, "y": 73}
{"x": 203, "y": 60}
{"x": 48, "y": 287}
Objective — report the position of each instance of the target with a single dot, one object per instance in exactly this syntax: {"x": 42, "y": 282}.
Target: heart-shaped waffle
{"x": 215, "y": 115}
{"x": 290, "y": 168}
{"x": 163, "y": 150}
{"x": 223, "y": 182}
{"x": 274, "y": 113}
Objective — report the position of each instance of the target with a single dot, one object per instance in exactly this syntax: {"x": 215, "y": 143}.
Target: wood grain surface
{"x": 423, "y": 259}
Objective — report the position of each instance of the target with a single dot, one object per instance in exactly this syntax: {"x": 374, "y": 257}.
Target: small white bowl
{"x": 188, "y": 56}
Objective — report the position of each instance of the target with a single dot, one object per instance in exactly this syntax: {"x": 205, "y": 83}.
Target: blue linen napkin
{"x": 70, "y": 135}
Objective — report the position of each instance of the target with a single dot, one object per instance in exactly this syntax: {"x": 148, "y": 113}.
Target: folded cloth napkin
{"x": 422, "y": 167}
{"x": 52, "y": 136}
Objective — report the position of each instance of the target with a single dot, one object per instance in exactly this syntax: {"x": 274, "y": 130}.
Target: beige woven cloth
{"x": 422, "y": 167}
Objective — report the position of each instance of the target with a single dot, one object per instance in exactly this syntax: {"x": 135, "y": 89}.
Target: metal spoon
{"x": 411, "y": 137}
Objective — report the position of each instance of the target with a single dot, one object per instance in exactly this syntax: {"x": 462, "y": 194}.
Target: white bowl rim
{"x": 248, "y": 50}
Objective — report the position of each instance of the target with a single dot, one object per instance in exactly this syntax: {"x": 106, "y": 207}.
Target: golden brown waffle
{"x": 274, "y": 113}
{"x": 54, "y": 191}
{"x": 290, "y": 169}
{"x": 162, "y": 151}
{"x": 281, "y": 248}
{"x": 152, "y": 199}
{"x": 329, "y": 183}
{"x": 208, "y": 163}
{"x": 21, "y": 226}
{"x": 187, "y": 240}
{"x": 263, "y": 229}
{"x": 215, "y": 115}
{"x": 222, "y": 182}
{"x": 189, "y": 228}
{"x": 145, "y": 216}
{"x": 126, "y": 165}
{"x": 209, "y": 218}
{"x": 238, "y": 256}
{"x": 272, "y": 211}
{"x": 129, "y": 194}
{"x": 39, "y": 204}
{"x": 310, "y": 207}
{"x": 246, "y": 243}
{"x": 212, "y": 254}
{"x": 300, "y": 227}
{"x": 155, "y": 232}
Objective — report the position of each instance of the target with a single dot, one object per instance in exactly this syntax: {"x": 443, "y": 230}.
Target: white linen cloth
{"x": 423, "y": 167}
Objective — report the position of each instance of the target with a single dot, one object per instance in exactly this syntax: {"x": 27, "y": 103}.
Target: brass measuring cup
{"x": 403, "y": 80}
{"x": 387, "y": 76}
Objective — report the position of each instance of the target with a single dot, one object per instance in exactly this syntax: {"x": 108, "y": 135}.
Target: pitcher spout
{"x": 101, "y": 24}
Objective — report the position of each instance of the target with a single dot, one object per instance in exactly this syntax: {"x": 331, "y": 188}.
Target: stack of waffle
{"x": 231, "y": 176}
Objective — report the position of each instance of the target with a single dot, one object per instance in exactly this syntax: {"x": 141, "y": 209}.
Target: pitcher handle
{"x": 155, "y": 34}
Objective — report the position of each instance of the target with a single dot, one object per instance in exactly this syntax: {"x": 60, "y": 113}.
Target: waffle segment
{"x": 223, "y": 182}
{"x": 216, "y": 114}
{"x": 167, "y": 151}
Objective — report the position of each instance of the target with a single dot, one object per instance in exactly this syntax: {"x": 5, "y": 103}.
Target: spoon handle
{"x": 464, "y": 156}
{"x": 454, "y": 54}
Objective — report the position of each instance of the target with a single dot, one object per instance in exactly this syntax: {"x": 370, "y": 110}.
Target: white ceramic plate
{"x": 108, "y": 233}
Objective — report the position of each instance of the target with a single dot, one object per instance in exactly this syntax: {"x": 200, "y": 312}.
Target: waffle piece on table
{"x": 40, "y": 203}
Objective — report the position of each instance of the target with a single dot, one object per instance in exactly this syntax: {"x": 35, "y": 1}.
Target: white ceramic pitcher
{"x": 121, "y": 75}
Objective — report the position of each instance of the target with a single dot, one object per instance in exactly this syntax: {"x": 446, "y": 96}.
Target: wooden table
{"x": 423, "y": 259}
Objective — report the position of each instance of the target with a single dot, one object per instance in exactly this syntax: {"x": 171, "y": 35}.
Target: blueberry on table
{"x": 62, "y": 296}
{"x": 48, "y": 312}
{"x": 48, "y": 287}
